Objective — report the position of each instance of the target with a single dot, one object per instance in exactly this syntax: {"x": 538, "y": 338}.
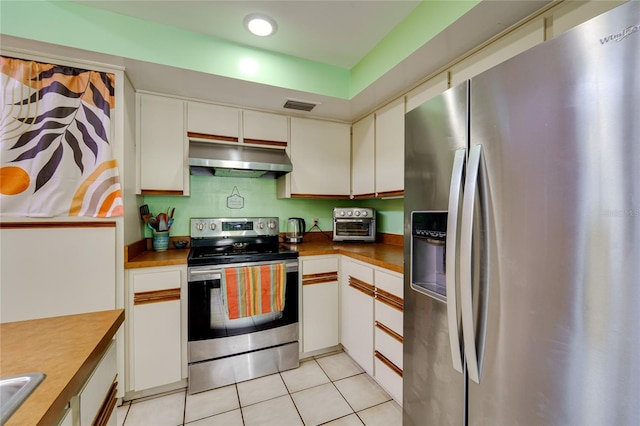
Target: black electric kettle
{"x": 295, "y": 230}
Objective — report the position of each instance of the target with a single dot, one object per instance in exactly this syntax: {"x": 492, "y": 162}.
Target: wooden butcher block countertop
{"x": 66, "y": 349}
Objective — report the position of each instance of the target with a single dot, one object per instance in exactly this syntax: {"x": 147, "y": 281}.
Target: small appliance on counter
{"x": 295, "y": 230}
{"x": 354, "y": 224}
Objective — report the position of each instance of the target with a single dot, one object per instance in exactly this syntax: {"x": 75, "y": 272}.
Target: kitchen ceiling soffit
{"x": 148, "y": 41}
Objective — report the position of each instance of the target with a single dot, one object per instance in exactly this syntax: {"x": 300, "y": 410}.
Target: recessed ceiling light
{"x": 260, "y": 25}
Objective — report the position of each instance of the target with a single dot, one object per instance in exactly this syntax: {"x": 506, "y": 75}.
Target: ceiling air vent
{"x": 299, "y": 105}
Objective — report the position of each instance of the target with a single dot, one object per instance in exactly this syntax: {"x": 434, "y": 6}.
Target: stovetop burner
{"x": 231, "y": 240}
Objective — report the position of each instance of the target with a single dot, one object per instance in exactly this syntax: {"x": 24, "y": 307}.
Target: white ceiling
{"x": 333, "y": 32}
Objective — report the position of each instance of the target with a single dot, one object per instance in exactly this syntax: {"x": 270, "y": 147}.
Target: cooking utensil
{"x": 145, "y": 214}
{"x": 162, "y": 222}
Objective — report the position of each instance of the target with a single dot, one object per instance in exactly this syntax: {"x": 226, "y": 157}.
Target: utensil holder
{"x": 160, "y": 240}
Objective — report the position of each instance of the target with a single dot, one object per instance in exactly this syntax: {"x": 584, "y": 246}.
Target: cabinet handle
{"x": 383, "y": 359}
{"x": 389, "y": 331}
{"x": 390, "y": 299}
{"x": 362, "y": 286}
{"x": 222, "y": 138}
{"x": 104, "y": 414}
{"x": 156, "y": 296}
{"x": 324, "y": 277}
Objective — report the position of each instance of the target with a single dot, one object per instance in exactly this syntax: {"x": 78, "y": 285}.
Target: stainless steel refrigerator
{"x": 522, "y": 238}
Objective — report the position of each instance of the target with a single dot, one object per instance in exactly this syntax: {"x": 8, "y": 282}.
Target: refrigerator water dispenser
{"x": 428, "y": 253}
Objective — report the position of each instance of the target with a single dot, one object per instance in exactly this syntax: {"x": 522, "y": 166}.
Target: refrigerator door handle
{"x": 451, "y": 258}
{"x": 466, "y": 262}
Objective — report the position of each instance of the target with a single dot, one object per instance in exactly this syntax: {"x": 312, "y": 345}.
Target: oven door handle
{"x": 215, "y": 274}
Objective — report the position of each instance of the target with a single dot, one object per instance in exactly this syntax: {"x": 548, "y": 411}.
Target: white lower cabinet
{"x": 371, "y": 321}
{"x": 388, "y": 326}
{"x": 356, "y": 326}
{"x": 320, "y": 306}
{"x": 95, "y": 404}
{"x": 155, "y": 344}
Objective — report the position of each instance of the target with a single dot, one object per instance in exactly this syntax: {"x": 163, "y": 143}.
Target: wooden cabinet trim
{"x": 106, "y": 410}
{"x": 383, "y": 359}
{"x": 399, "y": 193}
{"x": 389, "y": 331}
{"x": 265, "y": 142}
{"x": 156, "y": 296}
{"x": 389, "y": 299}
{"x": 324, "y": 277}
{"x": 213, "y": 137}
{"x": 321, "y": 197}
{"x": 87, "y": 224}
{"x": 362, "y": 286}
{"x": 161, "y": 192}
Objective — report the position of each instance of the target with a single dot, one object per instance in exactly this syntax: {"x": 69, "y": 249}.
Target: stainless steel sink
{"x": 14, "y": 391}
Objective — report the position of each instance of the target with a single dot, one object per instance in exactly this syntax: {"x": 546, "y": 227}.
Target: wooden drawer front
{"x": 388, "y": 344}
{"x": 388, "y": 379}
{"x": 390, "y": 283}
{"x": 318, "y": 266}
{"x": 390, "y": 317}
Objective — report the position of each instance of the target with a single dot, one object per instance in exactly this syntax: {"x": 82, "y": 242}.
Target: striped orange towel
{"x": 254, "y": 290}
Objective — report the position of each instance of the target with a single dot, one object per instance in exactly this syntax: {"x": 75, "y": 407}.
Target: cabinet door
{"x": 363, "y": 158}
{"x": 390, "y": 149}
{"x": 263, "y": 127}
{"x": 320, "y": 305}
{"x": 357, "y": 312}
{"x": 499, "y": 51}
{"x": 213, "y": 121}
{"x": 163, "y": 157}
{"x": 156, "y": 337}
{"x": 320, "y": 153}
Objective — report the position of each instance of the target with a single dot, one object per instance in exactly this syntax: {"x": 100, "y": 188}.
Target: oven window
{"x": 355, "y": 229}
{"x": 207, "y": 316}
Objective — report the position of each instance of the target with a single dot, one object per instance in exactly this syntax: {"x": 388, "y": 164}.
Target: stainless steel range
{"x": 242, "y": 302}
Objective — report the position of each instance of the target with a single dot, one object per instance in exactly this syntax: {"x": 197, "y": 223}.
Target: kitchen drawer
{"x": 319, "y": 265}
{"x": 389, "y": 379}
{"x": 389, "y": 316}
{"x": 390, "y": 283}
{"x": 388, "y": 344}
{"x": 359, "y": 271}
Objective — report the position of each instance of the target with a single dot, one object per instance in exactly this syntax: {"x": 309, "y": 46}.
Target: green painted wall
{"x": 209, "y": 199}
{"x": 75, "y": 25}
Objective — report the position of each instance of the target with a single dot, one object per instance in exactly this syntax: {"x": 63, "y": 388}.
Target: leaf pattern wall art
{"x": 55, "y": 130}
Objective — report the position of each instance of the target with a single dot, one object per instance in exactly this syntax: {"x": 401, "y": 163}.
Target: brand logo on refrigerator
{"x": 631, "y": 29}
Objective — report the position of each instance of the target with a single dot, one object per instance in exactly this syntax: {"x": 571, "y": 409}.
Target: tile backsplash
{"x": 233, "y": 197}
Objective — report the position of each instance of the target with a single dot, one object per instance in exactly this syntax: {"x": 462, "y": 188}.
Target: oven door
{"x": 207, "y": 311}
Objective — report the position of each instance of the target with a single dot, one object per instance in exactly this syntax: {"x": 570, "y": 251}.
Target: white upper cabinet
{"x": 363, "y": 157}
{"x": 321, "y": 155}
{"x": 389, "y": 164}
{"x": 499, "y": 51}
{"x": 213, "y": 121}
{"x": 163, "y": 148}
{"x": 264, "y": 127}
{"x": 427, "y": 90}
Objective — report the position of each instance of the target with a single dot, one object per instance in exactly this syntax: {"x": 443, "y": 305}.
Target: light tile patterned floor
{"x": 328, "y": 390}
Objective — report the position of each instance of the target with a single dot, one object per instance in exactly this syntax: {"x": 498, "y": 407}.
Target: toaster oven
{"x": 354, "y": 224}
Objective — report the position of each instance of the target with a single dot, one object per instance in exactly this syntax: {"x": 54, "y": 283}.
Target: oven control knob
{"x": 200, "y": 226}
{"x": 341, "y": 213}
{"x": 349, "y": 213}
{"x": 357, "y": 212}
{"x": 364, "y": 213}
{"x": 260, "y": 225}
{"x": 212, "y": 226}
{"x": 271, "y": 225}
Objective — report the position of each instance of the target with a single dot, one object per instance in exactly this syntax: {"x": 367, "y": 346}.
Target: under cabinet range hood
{"x": 237, "y": 160}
